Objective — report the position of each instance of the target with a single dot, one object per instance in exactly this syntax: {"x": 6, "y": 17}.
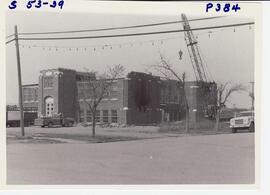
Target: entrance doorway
{"x": 49, "y": 106}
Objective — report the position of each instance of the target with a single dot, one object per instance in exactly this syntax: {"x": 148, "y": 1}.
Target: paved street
{"x": 211, "y": 159}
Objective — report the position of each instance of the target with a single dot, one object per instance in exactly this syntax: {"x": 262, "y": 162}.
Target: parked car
{"x": 54, "y": 121}
{"x": 243, "y": 120}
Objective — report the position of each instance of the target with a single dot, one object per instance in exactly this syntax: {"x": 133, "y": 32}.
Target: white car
{"x": 244, "y": 120}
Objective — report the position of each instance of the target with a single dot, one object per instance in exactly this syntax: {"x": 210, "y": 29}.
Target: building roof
{"x": 59, "y": 68}
{"x": 30, "y": 85}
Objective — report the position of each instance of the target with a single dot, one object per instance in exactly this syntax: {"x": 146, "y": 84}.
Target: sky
{"x": 228, "y": 53}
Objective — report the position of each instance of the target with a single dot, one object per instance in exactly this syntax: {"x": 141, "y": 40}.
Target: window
{"x": 105, "y": 115}
{"x": 114, "y": 91}
{"x": 36, "y": 94}
{"x": 48, "y": 82}
{"x": 84, "y": 90}
{"x": 98, "y": 116}
{"x": 107, "y": 94}
{"x": 175, "y": 99}
{"x": 89, "y": 116}
{"x": 81, "y": 116}
{"x": 25, "y": 95}
{"x": 28, "y": 94}
{"x": 114, "y": 94}
{"x": 114, "y": 116}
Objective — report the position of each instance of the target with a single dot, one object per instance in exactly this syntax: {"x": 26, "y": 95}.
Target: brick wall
{"x": 111, "y": 103}
{"x": 67, "y": 93}
{"x": 172, "y": 100}
{"x": 200, "y": 95}
{"x": 143, "y": 99}
{"x": 60, "y": 85}
{"x": 137, "y": 99}
{"x": 30, "y": 96}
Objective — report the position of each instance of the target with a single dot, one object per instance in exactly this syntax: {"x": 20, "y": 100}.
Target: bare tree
{"x": 167, "y": 71}
{"x": 224, "y": 91}
{"x": 93, "y": 90}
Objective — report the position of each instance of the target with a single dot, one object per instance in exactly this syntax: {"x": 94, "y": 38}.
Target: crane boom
{"x": 193, "y": 50}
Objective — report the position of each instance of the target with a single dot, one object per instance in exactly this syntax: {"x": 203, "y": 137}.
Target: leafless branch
{"x": 225, "y": 91}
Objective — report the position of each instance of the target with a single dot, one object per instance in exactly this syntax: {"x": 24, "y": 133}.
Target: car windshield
{"x": 245, "y": 114}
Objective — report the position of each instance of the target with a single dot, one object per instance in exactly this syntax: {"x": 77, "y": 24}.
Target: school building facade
{"x": 136, "y": 99}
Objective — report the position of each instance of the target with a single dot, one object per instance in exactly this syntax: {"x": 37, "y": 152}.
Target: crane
{"x": 193, "y": 50}
{"x": 208, "y": 88}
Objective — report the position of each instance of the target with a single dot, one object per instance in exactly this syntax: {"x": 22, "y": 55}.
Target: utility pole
{"x": 194, "y": 89}
{"x": 19, "y": 79}
{"x": 251, "y": 94}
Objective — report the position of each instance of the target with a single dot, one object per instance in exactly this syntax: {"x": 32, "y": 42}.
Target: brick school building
{"x": 137, "y": 99}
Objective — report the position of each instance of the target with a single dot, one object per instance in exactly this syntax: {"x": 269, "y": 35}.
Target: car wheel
{"x": 50, "y": 124}
{"x": 42, "y": 126}
{"x": 234, "y": 130}
{"x": 70, "y": 124}
{"x": 251, "y": 127}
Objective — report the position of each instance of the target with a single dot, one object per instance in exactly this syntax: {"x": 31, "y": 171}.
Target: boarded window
{"x": 114, "y": 116}
{"x": 105, "y": 116}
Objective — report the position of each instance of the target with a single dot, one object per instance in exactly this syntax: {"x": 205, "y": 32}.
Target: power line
{"x": 116, "y": 28}
{"x": 7, "y": 42}
{"x": 195, "y": 29}
{"x": 9, "y": 36}
{"x": 161, "y": 40}
{"x": 137, "y": 34}
{"x": 104, "y": 45}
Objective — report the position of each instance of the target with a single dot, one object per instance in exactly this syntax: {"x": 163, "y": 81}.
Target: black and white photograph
{"x": 126, "y": 98}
